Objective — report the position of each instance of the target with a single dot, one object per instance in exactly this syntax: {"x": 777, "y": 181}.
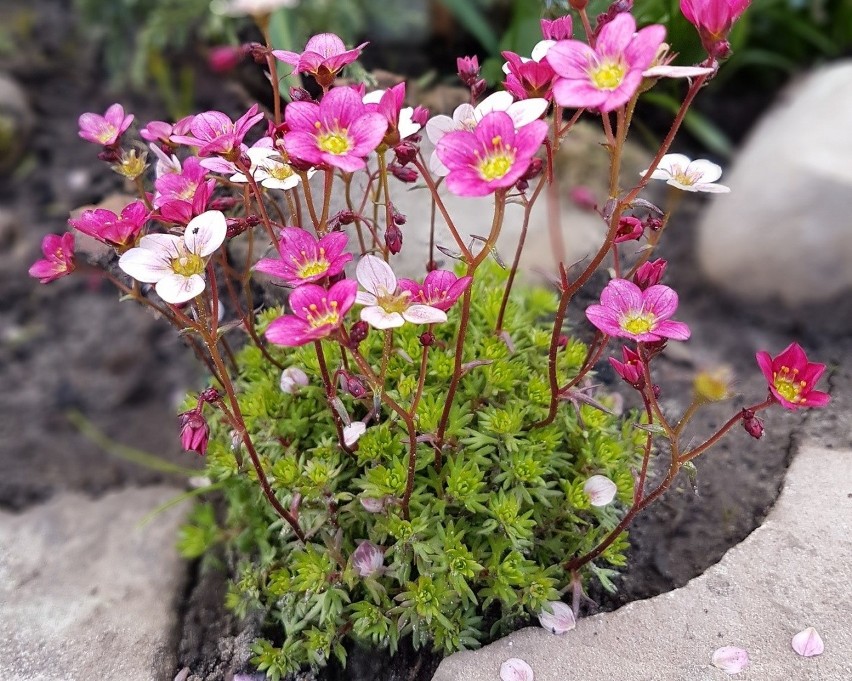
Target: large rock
{"x": 791, "y": 573}
{"x": 85, "y": 593}
{"x": 784, "y": 232}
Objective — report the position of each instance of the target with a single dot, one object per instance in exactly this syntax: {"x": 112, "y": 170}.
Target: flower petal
{"x": 205, "y": 233}
{"x": 808, "y": 643}
{"x": 424, "y": 314}
{"x": 557, "y": 617}
{"x": 379, "y": 318}
{"x": 600, "y": 490}
{"x": 730, "y": 659}
{"x": 515, "y": 669}
{"x": 375, "y": 275}
{"x": 175, "y": 288}
{"x": 622, "y": 295}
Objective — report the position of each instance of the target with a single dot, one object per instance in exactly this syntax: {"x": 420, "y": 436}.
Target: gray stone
{"x": 791, "y": 573}
{"x": 783, "y": 232}
{"x": 86, "y": 593}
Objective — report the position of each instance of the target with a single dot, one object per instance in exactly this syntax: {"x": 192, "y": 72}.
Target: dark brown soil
{"x": 71, "y": 345}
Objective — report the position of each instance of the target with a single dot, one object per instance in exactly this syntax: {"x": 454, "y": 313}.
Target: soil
{"x": 73, "y": 346}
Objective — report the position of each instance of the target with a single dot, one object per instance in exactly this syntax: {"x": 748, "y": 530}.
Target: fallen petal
{"x": 515, "y": 669}
{"x": 600, "y": 490}
{"x": 808, "y": 643}
{"x": 557, "y": 617}
{"x": 730, "y": 659}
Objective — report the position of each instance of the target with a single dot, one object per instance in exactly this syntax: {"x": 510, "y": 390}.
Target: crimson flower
{"x": 120, "y": 232}
{"x": 792, "y": 378}
{"x": 58, "y": 258}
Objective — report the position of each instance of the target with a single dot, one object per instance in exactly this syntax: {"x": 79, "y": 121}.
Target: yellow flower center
{"x": 106, "y": 133}
{"x": 638, "y": 323}
{"x": 280, "y": 171}
{"x": 188, "y": 264}
{"x": 608, "y": 76}
{"x": 498, "y": 162}
{"x": 336, "y": 142}
{"x": 680, "y": 176}
{"x": 328, "y": 315}
{"x": 787, "y": 385}
{"x": 391, "y": 302}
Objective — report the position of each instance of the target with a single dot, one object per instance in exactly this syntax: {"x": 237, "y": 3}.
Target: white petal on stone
{"x": 205, "y": 233}
{"x": 600, "y": 490}
{"x": 557, "y": 617}
{"x": 293, "y": 378}
{"x": 375, "y": 275}
{"x": 515, "y": 669}
{"x": 424, "y": 314}
{"x": 526, "y": 111}
{"x": 730, "y": 659}
{"x": 808, "y": 643}
{"x": 541, "y": 48}
{"x": 381, "y": 319}
{"x": 175, "y": 288}
{"x": 353, "y": 432}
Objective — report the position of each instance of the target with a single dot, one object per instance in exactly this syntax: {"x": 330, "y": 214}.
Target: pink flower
{"x": 339, "y": 131}
{"x": 120, "y": 232}
{"x": 181, "y": 186}
{"x": 368, "y": 559}
{"x": 387, "y": 306}
{"x": 493, "y": 156}
{"x": 194, "y": 431}
{"x": 215, "y": 134}
{"x": 557, "y": 29}
{"x": 631, "y": 369}
{"x": 400, "y": 120}
{"x": 606, "y": 76}
{"x": 324, "y": 56}
{"x": 629, "y": 229}
{"x": 107, "y": 129}
{"x": 58, "y": 258}
{"x": 316, "y": 313}
{"x": 792, "y": 378}
{"x": 441, "y": 289}
{"x": 304, "y": 259}
{"x": 528, "y": 78}
{"x": 629, "y": 312}
{"x": 713, "y": 18}
{"x": 157, "y": 131}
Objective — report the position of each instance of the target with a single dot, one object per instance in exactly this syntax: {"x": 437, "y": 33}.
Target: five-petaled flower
{"x": 58, "y": 258}
{"x": 120, "y": 232}
{"x": 493, "y": 156}
{"x": 441, "y": 289}
{"x": 608, "y": 75}
{"x": 325, "y": 55}
{"x": 214, "y": 133}
{"x": 713, "y": 19}
{"x": 269, "y": 170}
{"x": 387, "y": 306}
{"x": 175, "y": 264}
{"x": 400, "y": 119}
{"x": 629, "y": 312}
{"x": 339, "y": 131}
{"x": 304, "y": 259}
{"x": 316, "y": 313}
{"x": 792, "y": 378}
{"x": 690, "y": 176}
{"x": 107, "y": 129}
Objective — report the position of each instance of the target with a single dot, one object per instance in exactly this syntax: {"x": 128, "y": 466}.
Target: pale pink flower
{"x": 607, "y": 76}
{"x": 269, "y": 170}
{"x": 107, "y": 129}
{"x": 730, "y": 659}
{"x": 324, "y": 57}
{"x": 690, "y": 176}
{"x": 557, "y": 617}
{"x": 493, "y": 156}
{"x": 808, "y": 643}
{"x": 629, "y": 312}
{"x": 176, "y": 264}
{"x": 58, "y": 258}
{"x": 339, "y": 131}
{"x": 120, "y": 232}
{"x": 292, "y": 380}
{"x": 516, "y": 669}
{"x": 368, "y": 559}
{"x": 467, "y": 117}
{"x": 441, "y": 289}
{"x": 316, "y": 313}
{"x": 304, "y": 259}
{"x": 600, "y": 490}
{"x": 214, "y": 133}
{"x": 713, "y": 18}
{"x": 792, "y": 378}
{"x": 386, "y": 306}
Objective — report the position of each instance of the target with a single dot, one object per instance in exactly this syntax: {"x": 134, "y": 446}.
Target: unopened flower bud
{"x": 345, "y": 217}
{"x": 355, "y": 387}
{"x": 258, "y": 52}
{"x": 600, "y": 490}
{"x": 657, "y": 391}
{"x": 235, "y": 227}
{"x": 557, "y": 29}
{"x": 427, "y": 339}
{"x": 654, "y": 223}
{"x": 399, "y": 219}
{"x": 631, "y": 369}
{"x": 368, "y": 559}
{"x": 536, "y": 166}
{"x": 420, "y": 115}
{"x": 468, "y": 69}
{"x": 358, "y": 333}
{"x": 292, "y": 379}
{"x": 209, "y": 396}
{"x": 583, "y": 197}
{"x": 477, "y": 89}
{"x": 405, "y": 152}
{"x": 298, "y": 164}
{"x": 650, "y": 273}
{"x": 557, "y": 617}
{"x": 431, "y": 266}
{"x": 194, "y": 431}
{"x": 393, "y": 239}
{"x": 403, "y": 173}
{"x": 299, "y": 94}
{"x": 223, "y": 203}
{"x": 562, "y": 341}
{"x": 753, "y": 425}
{"x": 578, "y": 4}
{"x": 722, "y": 50}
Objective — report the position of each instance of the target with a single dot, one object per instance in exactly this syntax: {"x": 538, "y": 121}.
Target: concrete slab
{"x": 792, "y": 572}
{"x": 85, "y": 593}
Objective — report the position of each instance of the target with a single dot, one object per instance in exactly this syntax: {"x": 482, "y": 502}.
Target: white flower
{"x": 387, "y": 309}
{"x": 667, "y": 71}
{"x": 691, "y": 176}
{"x": 269, "y": 170}
{"x": 293, "y": 378}
{"x": 240, "y": 8}
{"x": 557, "y": 617}
{"x": 368, "y": 559}
{"x": 600, "y": 490}
{"x": 808, "y": 643}
{"x": 176, "y": 263}
{"x": 515, "y": 669}
{"x": 407, "y": 126}
{"x": 730, "y": 659}
{"x": 166, "y": 163}
{"x": 353, "y": 432}
{"x": 465, "y": 117}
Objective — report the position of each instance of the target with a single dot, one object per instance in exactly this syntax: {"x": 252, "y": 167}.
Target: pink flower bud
{"x": 298, "y": 94}
{"x": 557, "y": 617}
{"x": 468, "y": 69}
{"x": 292, "y": 379}
{"x": 224, "y": 58}
{"x": 654, "y": 223}
{"x": 427, "y": 339}
{"x": 631, "y": 369}
{"x": 600, "y": 490}
{"x": 420, "y": 115}
{"x": 650, "y": 273}
{"x": 557, "y": 29}
{"x": 355, "y": 387}
{"x": 393, "y": 238}
{"x": 403, "y": 173}
{"x": 478, "y": 88}
{"x": 209, "y": 396}
{"x": 368, "y": 559}
{"x": 194, "y": 431}
{"x": 730, "y": 659}
{"x": 753, "y": 425}
{"x": 629, "y": 229}
{"x": 358, "y": 333}
{"x": 808, "y": 643}
{"x": 405, "y": 152}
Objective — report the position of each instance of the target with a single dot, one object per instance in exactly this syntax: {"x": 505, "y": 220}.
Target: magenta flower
{"x": 157, "y": 131}
{"x": 58, "y": 258}
{"x": 120, "y": 232}
{"x": 441, "y": 289}
{"x": 194, "y": 431}
{"x": 557, "y": 29}
{"x": 215, "y": 134}
{"x": 493, "y": 156}
{"x": 631, "y": 369}
{"x": 180, "y": 186}
{"x": 606, "y": 76}
{"x": 304, "y": 259}
{"x": 528, "y": 78}
{"x": 792, "y": 378}
{"x": 629, "y": 312}
{"x": 339, "y": 131}
{"x": 107, "y": 129}
{"x": 630, "y": 228}
{"x": 389, "y": 103}
{"x": 324, "y": 56}
{"x": 650, "y": 273}
{"x": 316, "y": 313}
{"x": 713, "y": 18}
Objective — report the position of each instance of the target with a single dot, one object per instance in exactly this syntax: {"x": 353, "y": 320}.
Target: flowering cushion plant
{"x": 412, "y": 457}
